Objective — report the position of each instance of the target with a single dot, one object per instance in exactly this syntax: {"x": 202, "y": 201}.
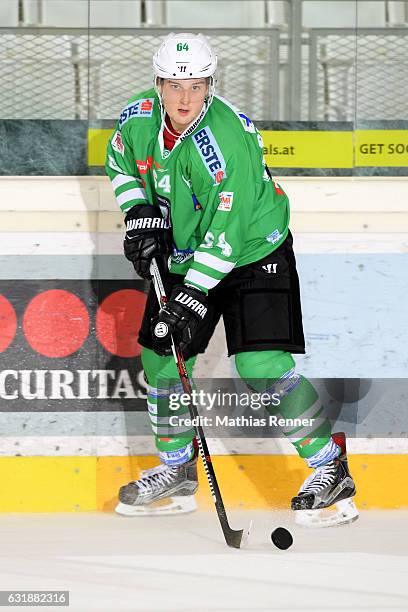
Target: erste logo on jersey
{"x": 117, "y": 143}
{"x": 140, "y": 108}
{"x": 226, "y": 199}
{"x": 210, "y": 153}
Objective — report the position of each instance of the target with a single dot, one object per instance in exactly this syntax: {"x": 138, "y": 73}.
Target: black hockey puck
{"x": 282, "y": 538}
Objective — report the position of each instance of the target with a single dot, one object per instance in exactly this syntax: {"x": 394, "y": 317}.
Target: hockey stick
{"x": 234, "y": 538}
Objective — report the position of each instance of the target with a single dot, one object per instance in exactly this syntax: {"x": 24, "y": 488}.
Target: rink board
{"x": 75, "y": 484}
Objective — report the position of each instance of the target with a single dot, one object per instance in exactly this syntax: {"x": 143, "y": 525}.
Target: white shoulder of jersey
{"x": 246, "y": 122}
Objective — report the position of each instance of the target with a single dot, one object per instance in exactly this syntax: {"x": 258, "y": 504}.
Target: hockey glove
{"x": 147, "y": 236}
{"x": 180, "y": 318}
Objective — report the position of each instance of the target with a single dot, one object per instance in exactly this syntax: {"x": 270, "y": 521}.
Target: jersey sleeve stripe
{"x": 207, "y": 271}
{"x": 198, "y": 278}
{"x": 131, "y": 194}
{"x": 123, "y": 179}
{"x": 213, "y": 262}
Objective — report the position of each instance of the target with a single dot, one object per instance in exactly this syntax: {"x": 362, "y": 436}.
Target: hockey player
{"x": 188, "y": 173}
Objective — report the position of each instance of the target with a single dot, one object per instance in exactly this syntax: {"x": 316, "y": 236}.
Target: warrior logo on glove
{"x": 194, "y": 305}
{"x": 161, "y": 330}
{"x": 146, "y": 223}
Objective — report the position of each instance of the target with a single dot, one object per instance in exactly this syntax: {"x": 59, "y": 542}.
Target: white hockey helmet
{"x": 184, "y": 56}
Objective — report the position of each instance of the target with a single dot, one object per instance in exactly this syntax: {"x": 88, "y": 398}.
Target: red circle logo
{"x": 118, "y": 321}
{"x": 56, "y": 323}
{"x": 8, "y": 323}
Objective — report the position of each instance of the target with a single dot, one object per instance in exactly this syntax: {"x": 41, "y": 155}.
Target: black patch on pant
{"x": 266, "y": 316}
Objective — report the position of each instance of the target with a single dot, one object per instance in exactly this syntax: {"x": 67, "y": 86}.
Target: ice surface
{"x": 180, "y": 563}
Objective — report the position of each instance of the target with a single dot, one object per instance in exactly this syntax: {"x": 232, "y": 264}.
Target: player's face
{"x": 183, "y": 100}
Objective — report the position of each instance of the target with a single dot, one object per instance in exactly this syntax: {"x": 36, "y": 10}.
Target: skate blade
{"x": 173, "y": 505}
{"x": 346, "y": 512}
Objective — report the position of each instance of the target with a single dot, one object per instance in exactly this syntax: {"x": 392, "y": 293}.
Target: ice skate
{"x": 160, "y": 490}
{"x": 329, "y": 485}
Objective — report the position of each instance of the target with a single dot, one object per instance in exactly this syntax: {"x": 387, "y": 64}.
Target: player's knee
{"x": 264, "y": 364}
{"x": 271, "y": 371}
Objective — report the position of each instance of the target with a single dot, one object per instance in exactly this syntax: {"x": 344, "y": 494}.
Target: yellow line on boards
{"x": 306, "y": 148}
{"x": 73, "y": 484}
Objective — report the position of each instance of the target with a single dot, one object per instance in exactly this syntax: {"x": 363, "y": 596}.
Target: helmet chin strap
{"x": 169, "y": 130}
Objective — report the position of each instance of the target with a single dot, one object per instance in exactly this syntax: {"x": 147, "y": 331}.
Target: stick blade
{"x": 237, "y": 538}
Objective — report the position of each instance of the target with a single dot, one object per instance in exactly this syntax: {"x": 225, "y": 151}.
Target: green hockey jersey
{"x": 213, "y": 186}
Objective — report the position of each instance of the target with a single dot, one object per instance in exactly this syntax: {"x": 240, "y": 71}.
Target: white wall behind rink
{"x": 87, "y": 204}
